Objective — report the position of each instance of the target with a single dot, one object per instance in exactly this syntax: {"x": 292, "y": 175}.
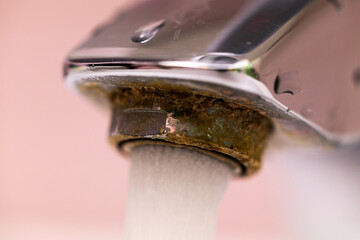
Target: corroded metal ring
{"x": 187, "y": 117}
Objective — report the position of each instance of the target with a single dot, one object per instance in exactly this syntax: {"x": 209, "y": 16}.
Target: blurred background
{"x": 59, "y": 179}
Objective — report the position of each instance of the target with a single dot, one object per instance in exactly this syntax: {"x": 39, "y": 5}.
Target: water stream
{"x": 174, "y": 194}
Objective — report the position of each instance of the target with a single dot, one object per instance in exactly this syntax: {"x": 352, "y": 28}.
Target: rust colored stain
{"x": 184, "y": 116}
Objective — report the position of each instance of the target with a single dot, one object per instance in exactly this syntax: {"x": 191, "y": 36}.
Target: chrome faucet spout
{"x": 221, "y": 75}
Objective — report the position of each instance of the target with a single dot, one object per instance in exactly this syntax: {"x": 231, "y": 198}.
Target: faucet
{"x": 224, "y": 77}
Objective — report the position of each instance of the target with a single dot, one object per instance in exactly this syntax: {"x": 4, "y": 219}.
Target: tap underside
{"x": 220, "y": 76}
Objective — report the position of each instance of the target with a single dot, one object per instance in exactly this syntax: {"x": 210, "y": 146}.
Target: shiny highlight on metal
{"x": 220, "y": 76}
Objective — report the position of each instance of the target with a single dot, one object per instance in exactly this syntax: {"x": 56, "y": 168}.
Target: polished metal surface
{"x": 295, "y": 61}
{"x": 191, "y": 28}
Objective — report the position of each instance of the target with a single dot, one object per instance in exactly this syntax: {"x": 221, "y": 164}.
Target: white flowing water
{"x": 173, "y": 194}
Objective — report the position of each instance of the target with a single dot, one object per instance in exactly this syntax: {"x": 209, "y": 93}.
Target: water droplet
{"x": 147, "y": 32}
{"x": 287, "y": 82}
{"x": 356, "y": 76}
{"x": 177, "y": 34}
{"x": 337, "y": 5}
{"x": 306, "y": 112}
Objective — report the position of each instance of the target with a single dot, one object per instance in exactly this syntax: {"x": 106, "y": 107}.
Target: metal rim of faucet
{"x": 166, "y": 112}
{"x": 135, "y": 120}
{"x": 237, "y": 167}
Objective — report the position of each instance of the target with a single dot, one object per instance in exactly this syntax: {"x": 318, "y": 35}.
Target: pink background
{"x": 59, "y": 179}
